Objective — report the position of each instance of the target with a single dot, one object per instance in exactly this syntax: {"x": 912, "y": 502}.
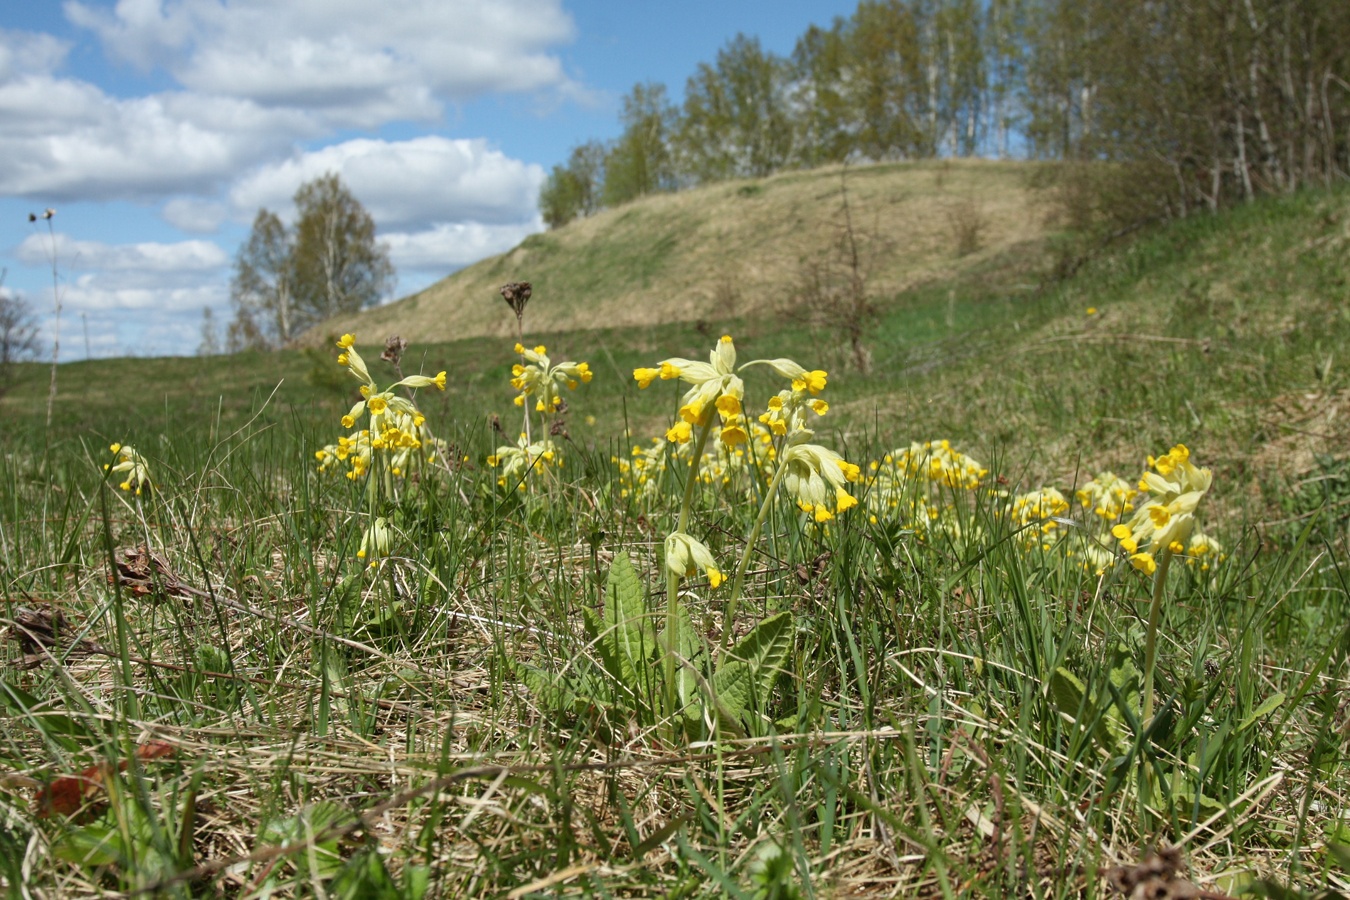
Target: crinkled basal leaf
{"x": 735, "y": 687}
{"x": 766, "y": 648}
{"x": 763, "y": 654}
{"x": 627, "y": 626}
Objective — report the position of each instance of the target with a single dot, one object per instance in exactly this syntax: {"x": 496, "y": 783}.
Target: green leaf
{"x": 764, "y": 652}
{"x": 657, "y": 837}
{"x": 735, "y": 687}
{"x": 53, "y": 725}
{"x": 303, "y": 827}
{"x": 1069, "y": 695}
{"x": 1271, "y": 703}
{"x": 96, "y": 844}
{"x": 693, "y": 661}
{"x": 628, "y": 630}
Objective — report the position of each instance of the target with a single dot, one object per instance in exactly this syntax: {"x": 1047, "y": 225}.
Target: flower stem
{"x": 738, "y": 583}
{"x": 1151, "y": 636}
{"x": 673, "y": 578}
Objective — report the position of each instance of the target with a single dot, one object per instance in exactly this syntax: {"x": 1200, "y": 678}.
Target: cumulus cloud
{"x": 67, "y": 140}
{"x": 90, "y": 295}
{"x": 451, "y": 246}
{"x": 29, "y": 53}
{"x": 356, "y": 64}
{"x": 407, "y": 183}
{"x": 148, "y": 257}
{"x": 194, "y": 214}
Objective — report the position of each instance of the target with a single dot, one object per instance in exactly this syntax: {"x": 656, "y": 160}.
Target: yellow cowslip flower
{"x": 1144, "y": 562}
{"x": 1108, "y": 496}
{"x": 733, "y": 431}
{"x": 1166, "y": 519}
{"x": 711, "y": 381}
{"x": 518, "y": 461}
{"x": 812, "y": 382}
{"x": 352, "y": 360}
{"x": 686, "y": 555}
{"x": 940, "y": 463}
{"x": 376, "y": 541}
{"x": 421, "y": 381}
{"x": 540, "y": 378}
{"x": 127, "y": 460}
{"x": 679, "y": 433}
{"x": 1203, "y": 551}
{"x": 815, "y": 478}
{"x": 1040, "y": 506}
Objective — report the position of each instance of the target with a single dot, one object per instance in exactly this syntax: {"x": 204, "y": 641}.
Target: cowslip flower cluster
{"x": 787, "y": 410}
{"x": 734, "y": 472}
{"x": 1038, "y": 512}
{"x": 686, "y": 555}
{"x": 816, "y": 476}
{"x": 1166, "y": 519}
{"x": 542, "y": 379}
{"x": 130, "y": 463}
{"x": 916, "y": 486}
{"x": 714, "y": 386}
{"x": 518, "y": 461}
{"x": 1108, "y": 496}
{"x": 376, "y": 541}
{"x": 940, "y": 464}
{"x": 394, "y": 425}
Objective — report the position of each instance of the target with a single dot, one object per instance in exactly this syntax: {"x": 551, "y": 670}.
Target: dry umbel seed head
{"x": 393, "y": 350}
{"x": 517, "y": 294}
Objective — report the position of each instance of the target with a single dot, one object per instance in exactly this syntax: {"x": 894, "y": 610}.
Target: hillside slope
{"x": 733, "y": 248}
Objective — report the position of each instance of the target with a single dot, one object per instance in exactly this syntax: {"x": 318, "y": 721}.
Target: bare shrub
{"x": 831, "y": 288}
{"x": 967, "y": 222}
{"x": 18, "y": 333}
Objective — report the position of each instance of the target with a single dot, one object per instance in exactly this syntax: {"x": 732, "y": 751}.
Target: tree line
{"x": 1194, "y": 103}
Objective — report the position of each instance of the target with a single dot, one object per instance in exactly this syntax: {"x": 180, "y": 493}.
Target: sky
{"x": 156, "y": 129}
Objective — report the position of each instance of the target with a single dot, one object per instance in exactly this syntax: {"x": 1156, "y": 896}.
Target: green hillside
{"x": 734, "y": 248}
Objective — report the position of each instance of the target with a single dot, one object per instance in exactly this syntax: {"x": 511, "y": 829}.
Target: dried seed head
{"x": 517, "y": 294}
{"x": 393, "y": 350}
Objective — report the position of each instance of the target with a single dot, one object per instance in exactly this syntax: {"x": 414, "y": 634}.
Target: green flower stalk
{"x": 1159, "y": 530}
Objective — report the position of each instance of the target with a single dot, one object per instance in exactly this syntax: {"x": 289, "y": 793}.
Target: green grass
{"x": 955, "y": 715}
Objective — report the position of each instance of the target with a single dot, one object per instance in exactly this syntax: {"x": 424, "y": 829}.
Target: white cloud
{"x": 194, "y": 214}
{"x": 407, "y": 183}
{"x": 68, "y": 140}
{"x": 357, "y": 63}
{"x": 148, "y": 257}
{"x": 138, "y": 298}
{"x": 91, "y": 296}
{"x": 29, "y": 53}
{"x": 446, "y": 247}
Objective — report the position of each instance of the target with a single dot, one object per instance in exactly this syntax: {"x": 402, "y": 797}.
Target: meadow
{"x": 923, "y": 657}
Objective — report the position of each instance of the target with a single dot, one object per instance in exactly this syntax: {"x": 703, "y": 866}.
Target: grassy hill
{"x": 735, "y": 248}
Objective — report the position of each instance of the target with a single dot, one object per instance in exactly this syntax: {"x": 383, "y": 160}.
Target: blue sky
{"x": 157, "y": 128}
